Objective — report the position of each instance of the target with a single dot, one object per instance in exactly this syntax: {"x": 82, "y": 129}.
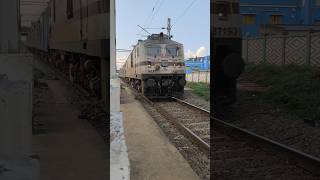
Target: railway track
{"x": 238, "y": 153}
{"x": 190, "y": 120}
{"x": 241, "y": 154}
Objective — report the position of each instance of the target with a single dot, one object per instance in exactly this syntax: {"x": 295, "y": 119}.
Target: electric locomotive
{"x": 156, "y": 67}
{"x": 226, "y": 44}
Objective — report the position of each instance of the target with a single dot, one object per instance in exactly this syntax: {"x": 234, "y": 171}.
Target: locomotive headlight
{"x": 149, "y": 64}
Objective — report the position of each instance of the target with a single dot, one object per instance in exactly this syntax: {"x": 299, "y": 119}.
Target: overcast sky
{"x": 190, "y": 20}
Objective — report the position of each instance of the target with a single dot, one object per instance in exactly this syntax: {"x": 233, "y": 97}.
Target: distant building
{"x": 279, "y": 16}
{"x": 10, "y": 26}
{"x": 197, "y": 64}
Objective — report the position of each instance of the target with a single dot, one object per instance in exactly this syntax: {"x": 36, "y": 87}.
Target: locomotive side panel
{"x": 131, "y": 64}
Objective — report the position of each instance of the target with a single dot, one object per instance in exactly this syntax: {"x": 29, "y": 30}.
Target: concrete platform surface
{"x": 119, "y": 162}
{"x": 16, "y": 118}
{"x": 151, "y": 155}
{"x": 18, "y": 67}
{"x": 70, "y": 149}
{"x": 19, "y": 169}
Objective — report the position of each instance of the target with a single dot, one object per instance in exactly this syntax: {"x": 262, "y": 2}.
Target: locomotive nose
{"x": 233, "y": 65}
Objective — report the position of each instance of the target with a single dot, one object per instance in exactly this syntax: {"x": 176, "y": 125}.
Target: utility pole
{"x": 169, "y": 27}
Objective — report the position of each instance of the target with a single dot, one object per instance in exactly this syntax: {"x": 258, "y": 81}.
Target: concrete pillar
{"x": 119, "y": 161}
{"x": 10, "y": 26}
{"x": 114, "y": 81}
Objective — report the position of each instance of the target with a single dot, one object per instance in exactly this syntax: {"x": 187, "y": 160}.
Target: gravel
{"x": 41, "y": 96}
{"x": 254, "y": 114}
{"x": 198, "y": 121}
{"x": 194, "y": 99}
{"x": 236, "y": 159}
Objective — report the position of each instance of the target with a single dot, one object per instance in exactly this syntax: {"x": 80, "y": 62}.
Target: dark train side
{"x": 226, "y": 48}
{"x": 73, "y": 36}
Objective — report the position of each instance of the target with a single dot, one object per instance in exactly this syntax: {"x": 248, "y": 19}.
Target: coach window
{"x": 69, "y": 9}
{"x": 132, "y": 59}
{"x": 54, "y": 11}
{"x": 138, "y": 51}
{"x": 275, "y": 19}
{"x": 249, "y": 19}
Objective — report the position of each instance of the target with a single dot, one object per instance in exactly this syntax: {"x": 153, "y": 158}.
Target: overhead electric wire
{"x": 162, "y": 2}
{"x": 154, "y": 7}
{"x": 184, "y": 13}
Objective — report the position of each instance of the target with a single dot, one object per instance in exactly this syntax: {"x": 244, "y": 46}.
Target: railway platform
{"x": 69, "y": 148}
{"x": 15, "y": 118}
{"x": 151, "y": 155}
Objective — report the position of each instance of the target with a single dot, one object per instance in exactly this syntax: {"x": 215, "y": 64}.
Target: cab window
{"x": 173, "y": 51}
{"x": 153, "y": 51}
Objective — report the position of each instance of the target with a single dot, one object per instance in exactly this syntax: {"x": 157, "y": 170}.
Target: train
{"x": 155, "y": 67}
{"x": 74, "y": 36}
{"x": 226, "y": 47}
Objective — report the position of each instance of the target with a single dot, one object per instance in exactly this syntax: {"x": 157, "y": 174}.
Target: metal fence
{"x": 302, "y": 49}
{"x": 199, "y": 76}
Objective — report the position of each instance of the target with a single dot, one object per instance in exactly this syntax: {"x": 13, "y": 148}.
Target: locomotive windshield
{"x": 153, "y": 51}
{"x": 173, "y": 51}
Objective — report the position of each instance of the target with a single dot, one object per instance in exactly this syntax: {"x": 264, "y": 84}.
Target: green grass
{"x": 296, "y": 88}
{"x": 201, "y": 89}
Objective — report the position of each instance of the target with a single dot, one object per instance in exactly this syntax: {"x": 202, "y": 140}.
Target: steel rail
{"x": 204, "y": 146}
{"x": 294, "y": 156}
{"x": 290, "y": 155}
